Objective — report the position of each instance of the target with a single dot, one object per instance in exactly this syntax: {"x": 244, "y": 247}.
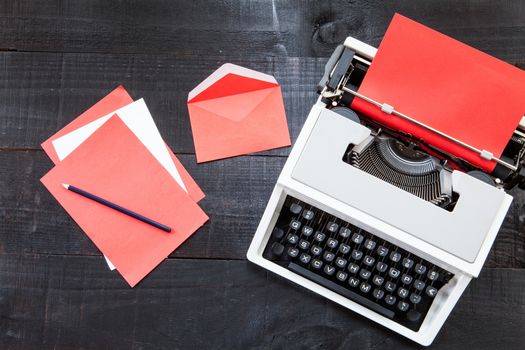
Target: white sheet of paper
{"x": 110, "y": 264}
{"x": 138, "y": 118}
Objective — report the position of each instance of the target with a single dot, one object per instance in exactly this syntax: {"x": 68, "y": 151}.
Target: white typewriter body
{"x": 458, "y": 240}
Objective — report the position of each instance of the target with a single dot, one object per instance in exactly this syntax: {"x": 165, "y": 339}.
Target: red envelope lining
{"x": 232, "y": 84}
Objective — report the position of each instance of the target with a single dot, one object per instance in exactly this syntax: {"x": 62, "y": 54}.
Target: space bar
{"x": 340, "y": 290}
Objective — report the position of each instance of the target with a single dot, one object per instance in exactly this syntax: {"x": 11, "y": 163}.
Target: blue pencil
{"x": 117, "y": 207}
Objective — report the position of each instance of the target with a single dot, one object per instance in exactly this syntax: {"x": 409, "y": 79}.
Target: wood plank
{"x": 277, "y": 28}
{"x": 237, "y": 190}
{"x": 42, "y": 92}
{"x": 74, "y": 302}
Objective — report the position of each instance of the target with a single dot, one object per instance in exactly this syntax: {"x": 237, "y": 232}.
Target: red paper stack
{"x": 115, "y": 151}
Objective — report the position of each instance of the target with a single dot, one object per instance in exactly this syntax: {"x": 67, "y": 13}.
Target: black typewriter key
{"x": 390, "y": 286}
{"x": 341, "y": 276}
{"x": 394, "y": 273}
{"x": 332, "y": 226}
{"x": 277, "y": 248}
{"x": 431, "y": 291}
{"x": 402, "y": 292}
{"x": 332, "y": 243}
{"x": 308, "y": 214}
{"x": 403, "y": 306}
{"x": 406, "y": 279}
{"x": 432, "y": 275}
{"x": 407, "y": 263}
{"x": 304, "y": 258}
{"x": 378, "y": 293}
{"x": 292, "y": 239}
{"x": 295, "y": 225}
{"x": 395, "y": 256}
{"x": 317, "y": 264}
{"x": 329, "y": 270}
{"x": 328, "y": 256}
{"x": 378, "y": 280}
{"x": 414, "y": 298}
{"x": 307, "y": 231}
{"x": 357, "y": 238}
{"x": 381, "y": 266}
{"x": 420, "y": 269}
{"x": 293, "y": 252}
{"x": 344, "y": 248}
{"x": 357, "y": 254}
{"x": 340, "y": 262}
{"x": 369, "y": 244}
{"x": 419, "y": 285}
{"x": 390, "y": 299}
{"x": 295, "y": 208}
{"x": 319, "y": 236}
{"x": 447, "y": 276}
{"x": 365, "y": 274}
{"x": 413, "y": 315}
{"x": 304, "y": 244}
{"x": 316, "y": 250}
{"x": 345, "y": 232}
{"x": 382, "y": 250}
{"x": 365, "y": 287}
{"x": 369, "y": 261}
{"x": 353, "y": 268}
{"x": 277, "y": 233}
{"x": 353, "y": 282}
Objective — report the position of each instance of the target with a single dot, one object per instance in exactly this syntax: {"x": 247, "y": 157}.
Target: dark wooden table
{"x": 57, "y": 58}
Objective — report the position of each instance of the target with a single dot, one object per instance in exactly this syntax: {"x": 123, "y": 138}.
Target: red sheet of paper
{"x": 115, "y": 165}
{"x": 116, "y": 99}
{"x": 447, "y": 85}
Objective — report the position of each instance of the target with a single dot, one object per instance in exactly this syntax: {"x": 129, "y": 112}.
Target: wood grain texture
{"x": 237, "y": 191}
{"x": 263, "y": 28}
{"x": 41, "y": 92}
{"x": 68, "y": 302}
{"x": 57, "y": 58}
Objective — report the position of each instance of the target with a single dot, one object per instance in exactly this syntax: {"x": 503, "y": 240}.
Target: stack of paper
{"x": 114, "y": 150}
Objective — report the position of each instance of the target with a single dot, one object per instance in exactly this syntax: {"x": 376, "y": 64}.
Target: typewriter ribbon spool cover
{"x": 446, "y": 85}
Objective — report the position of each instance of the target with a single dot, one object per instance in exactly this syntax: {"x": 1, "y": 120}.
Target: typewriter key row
{"x": 354, "y": 263}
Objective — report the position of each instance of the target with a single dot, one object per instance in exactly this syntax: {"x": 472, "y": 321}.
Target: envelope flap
{"x": 235, "y": 107}
{"x": 232, "y": 84}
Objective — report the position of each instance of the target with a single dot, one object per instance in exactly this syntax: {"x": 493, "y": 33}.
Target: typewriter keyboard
{"x": 354, "y": 263}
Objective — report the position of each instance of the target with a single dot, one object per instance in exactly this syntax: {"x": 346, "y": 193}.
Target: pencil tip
{"x": 66, "y": 186}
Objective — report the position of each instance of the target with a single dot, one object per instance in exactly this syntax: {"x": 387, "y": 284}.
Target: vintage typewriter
{"x": 365, "y": 216}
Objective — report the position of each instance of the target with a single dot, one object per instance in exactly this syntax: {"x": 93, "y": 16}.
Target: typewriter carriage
{"x": 344, "y": 72}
